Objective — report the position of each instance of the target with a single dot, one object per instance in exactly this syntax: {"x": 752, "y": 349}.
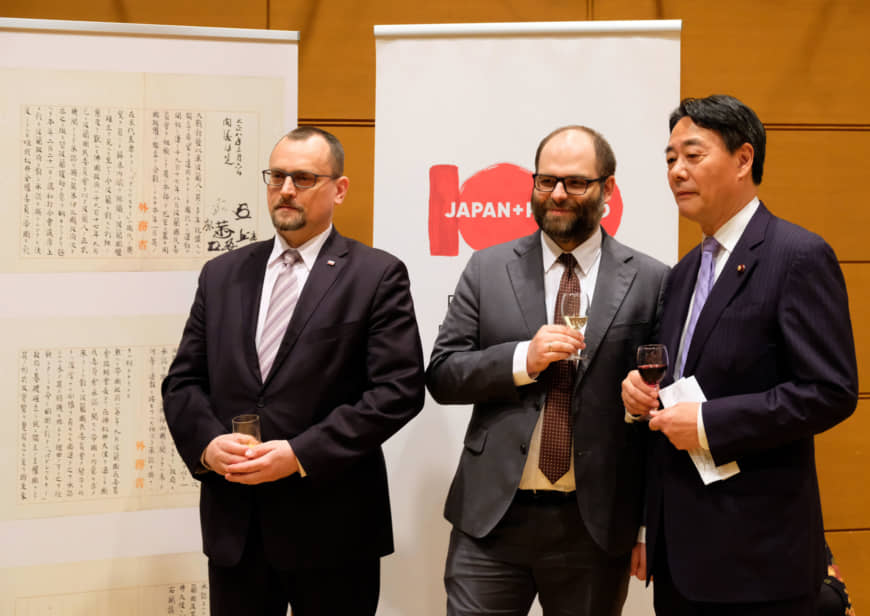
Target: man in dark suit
{"x": 547, "y": 496}
{"x": 771, "y": 348}
{"x": 316, "y": 334}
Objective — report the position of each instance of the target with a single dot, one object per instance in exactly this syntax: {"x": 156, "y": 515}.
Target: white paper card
{"x": 688, "y": 390}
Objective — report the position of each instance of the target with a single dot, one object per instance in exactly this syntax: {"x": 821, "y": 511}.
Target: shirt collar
{"x": 585, "y": 254}
{"x": 308, "y": 251}
{"x": 729, "y": 234}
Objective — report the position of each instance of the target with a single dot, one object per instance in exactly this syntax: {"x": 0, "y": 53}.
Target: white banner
{"x": 460, "y": 111}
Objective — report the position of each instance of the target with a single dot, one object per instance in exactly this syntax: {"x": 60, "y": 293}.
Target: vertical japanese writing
{"x": 79, "y": 176}
{"x": 82, "y": 195}
{"x": 70, "y": 403}
{"x": 159, "y": 468}
{"x": 170, "y": 221}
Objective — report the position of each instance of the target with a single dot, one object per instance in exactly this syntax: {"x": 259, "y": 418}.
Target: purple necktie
{"x": 285, "y": 293}
{"x": 556, "y": 430}
{"x": 709, "y": 248}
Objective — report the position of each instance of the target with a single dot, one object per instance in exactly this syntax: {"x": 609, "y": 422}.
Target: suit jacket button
{"x": 261, "y": 403}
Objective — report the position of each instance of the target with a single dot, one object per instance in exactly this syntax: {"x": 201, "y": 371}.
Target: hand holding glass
{"x": 575, "y": 307}
{"x": 250, "y": 425}
{"x": 652, "y": 363}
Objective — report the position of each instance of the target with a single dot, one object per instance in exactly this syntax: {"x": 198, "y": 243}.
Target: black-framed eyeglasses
{"x": 300, "y": 179}
{"x": 574, "y": 184}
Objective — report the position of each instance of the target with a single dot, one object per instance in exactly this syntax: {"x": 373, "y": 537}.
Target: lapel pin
{"x": 330, "y": 262}
{"x": 741, "y": 268}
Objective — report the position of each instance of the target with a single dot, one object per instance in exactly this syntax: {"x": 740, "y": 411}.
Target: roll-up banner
{"x": 460, "y": 110}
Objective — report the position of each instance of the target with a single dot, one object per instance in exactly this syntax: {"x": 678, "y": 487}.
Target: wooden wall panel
{"x": 817, "y": 180}
{"x": 793, "y": 61}
{"x": 852, "y": 553}
{"x": 225, "y": 14}
{"x": 858, "y": 284}
{"x": 842, "y": 459}
{"x": 337, "y": 61}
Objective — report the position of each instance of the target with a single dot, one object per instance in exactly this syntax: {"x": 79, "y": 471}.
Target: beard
{"x": 569, "y": 229}
{"x": 287, "y": 220}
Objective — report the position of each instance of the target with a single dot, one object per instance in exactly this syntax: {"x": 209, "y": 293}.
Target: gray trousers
{"x": 541, "y": 547}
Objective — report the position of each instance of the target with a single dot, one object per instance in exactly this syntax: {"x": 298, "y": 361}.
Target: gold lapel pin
{"x": 330, "y": 262}
{"x": 741, "y": 268}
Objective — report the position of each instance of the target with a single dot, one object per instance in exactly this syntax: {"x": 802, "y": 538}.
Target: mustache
{"x": 567, "y": 204}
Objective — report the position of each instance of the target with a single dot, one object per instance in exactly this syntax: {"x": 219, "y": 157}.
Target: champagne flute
{"x": 575, "y": 307}
{"x": 652, "y": 363}
{"x": 250, "y": 426}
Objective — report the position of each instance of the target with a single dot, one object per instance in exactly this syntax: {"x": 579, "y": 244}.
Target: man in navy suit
{"x": 303, "y": 517}
{"x": 772, "y": 350}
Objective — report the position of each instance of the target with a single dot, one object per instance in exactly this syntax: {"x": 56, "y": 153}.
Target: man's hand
{"x": 638, "y": 397}
{"x": 267, "y": 461}
{"x": 638, "y": 562}
{"x": 552, "y": 343}
{"x": 679, "y": 423}
{"x": 225, "y": 450}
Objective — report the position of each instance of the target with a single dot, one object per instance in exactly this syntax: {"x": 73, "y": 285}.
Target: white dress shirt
{"x": 588, "y": 257}
{"x": 308, "y": 253}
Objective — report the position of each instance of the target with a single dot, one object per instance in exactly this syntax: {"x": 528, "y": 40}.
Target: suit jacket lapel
{"x": 615, "y": 275}
{"x": 527, "y": 278}
{"x": 251, "y": 289}
{"x": 729, "y": 282}
{"x": 327, "y": 268}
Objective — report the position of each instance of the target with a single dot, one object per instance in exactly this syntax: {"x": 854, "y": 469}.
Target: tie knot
{"x": 290, "y": 256}
{"x": 568, "y": 260}
{"x": 710, "y": 245}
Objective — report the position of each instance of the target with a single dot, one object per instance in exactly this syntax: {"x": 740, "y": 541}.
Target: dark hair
{"x": 302, "y": 133}
{"x": 604, "y": 157}
{"x": 734, "y": 121}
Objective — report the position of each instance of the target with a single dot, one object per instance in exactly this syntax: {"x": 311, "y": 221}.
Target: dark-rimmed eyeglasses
{"x": 574, "y": 184}
{"x": 300, "y": 179}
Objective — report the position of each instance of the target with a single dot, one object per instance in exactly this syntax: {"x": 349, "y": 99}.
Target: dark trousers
{"x": 541, "y": 547}
{"x": 668, "y": 601}
{"x": 256, "y": 588}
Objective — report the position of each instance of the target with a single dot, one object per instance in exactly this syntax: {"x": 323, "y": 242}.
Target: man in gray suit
{"x": 547, "y": 496}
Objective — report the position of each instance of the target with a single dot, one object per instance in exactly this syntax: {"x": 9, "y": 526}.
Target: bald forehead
{"x": 569, "y": 145}
{"x": 312, "y": 149}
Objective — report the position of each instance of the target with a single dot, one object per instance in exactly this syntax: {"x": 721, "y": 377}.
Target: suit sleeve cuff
{"x": 205, "y": 468}
{"x": 702, "y": 433}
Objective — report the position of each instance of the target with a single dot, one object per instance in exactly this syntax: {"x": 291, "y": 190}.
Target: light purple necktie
{"x": 285, "y": 294}
{"x": 709, "y": 248}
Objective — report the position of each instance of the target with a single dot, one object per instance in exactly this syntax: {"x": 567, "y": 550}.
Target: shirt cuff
{"x": 521, "y": 353}
{"x": 641, "y": 534}
{"x": 205, "y": 467}
{"x": 702, "y": 433}
{"x": 629, "y": 418}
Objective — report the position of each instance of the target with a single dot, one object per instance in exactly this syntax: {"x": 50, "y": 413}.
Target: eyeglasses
{"x": 300, "y": 179}
{"x": 574, "y": 184}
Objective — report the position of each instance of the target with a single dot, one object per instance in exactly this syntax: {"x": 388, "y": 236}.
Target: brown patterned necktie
{"x": 285, "y": 294}
{"x": 556, "y": 432}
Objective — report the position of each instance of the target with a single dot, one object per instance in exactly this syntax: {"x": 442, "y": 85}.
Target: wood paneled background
{"x": 803, "y": 65}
